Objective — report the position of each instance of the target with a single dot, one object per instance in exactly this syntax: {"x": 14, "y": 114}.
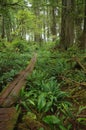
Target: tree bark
{"x": 3, "y": 29}
{"x": 36, "y": 9}
{"x": 53, "y": 24}
{"x": 67, "y": 24}
{"x": 83, "y": 37}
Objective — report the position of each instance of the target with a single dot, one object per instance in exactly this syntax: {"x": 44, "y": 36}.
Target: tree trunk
{"x": 83, "y": 37}
{"x": 67, "y": 24}
{"x": 37, "y": 35}
{"x": 48, "y": 24}
{"x": 78, "y": 21}
{"x": 3, "y": 29}
{"x": 53, "y": 24}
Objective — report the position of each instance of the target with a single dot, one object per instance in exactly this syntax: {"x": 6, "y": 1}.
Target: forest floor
{"x": 54, "y": 97}
{"x": 69, "y": 71}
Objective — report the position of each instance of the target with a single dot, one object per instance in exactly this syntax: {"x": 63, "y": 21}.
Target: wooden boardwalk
{"x": 8, "y": 118}
{"x": 9, "y": 96}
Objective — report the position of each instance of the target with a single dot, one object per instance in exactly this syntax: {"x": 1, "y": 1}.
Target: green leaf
{"x": 41, "y": 128}
{"x": 51, "y": 120}
{"x": 62, "y": 127}
{"x": 24, "y": 105}
{"x": 81, "y": 108}
{"x": 82, "y": 121}
{"x": 31, "y": 115}
{"x": 48, "y": 106}
{"x": 41, "y": 101}
{"x": 31, "y": 102}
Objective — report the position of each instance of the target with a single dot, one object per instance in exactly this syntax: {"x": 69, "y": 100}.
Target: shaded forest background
{"x": 44, "y": 20}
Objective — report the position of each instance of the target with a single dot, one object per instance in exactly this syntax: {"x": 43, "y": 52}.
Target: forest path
{"x": 8, "y": 114}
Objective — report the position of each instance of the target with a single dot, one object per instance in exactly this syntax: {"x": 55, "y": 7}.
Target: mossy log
{"x": 11, "y": 93}
{"x": 8, "y": 118}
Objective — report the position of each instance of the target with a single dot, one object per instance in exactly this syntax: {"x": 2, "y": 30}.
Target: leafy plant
{"x": 53, "y": 120}
{"x": 41, "y": 101}
{"x": 19, "y": 45}
{"x": 10, "y": 64}
{"x": 81, "y": 120}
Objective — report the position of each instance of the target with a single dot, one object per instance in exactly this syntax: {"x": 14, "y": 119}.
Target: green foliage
{"x": 81, "y": 120}
{"x": 45, "y": 99}
{"x": 56, "y": 72}
{"x": 2, "y": 45}
{"x": 26, "y": 20}
{"x": 44, "y": 95}
{"x": 19, "y": 45}
{"x": 48, "y": 91}
{"x": 12, "y": 61}
{"x": 41, "y": 101}
{"x": 81, "y": 108}
{"x": 41, "y": 129}
{"x": 64, "y": 107}
{"x": 53, "y": 120}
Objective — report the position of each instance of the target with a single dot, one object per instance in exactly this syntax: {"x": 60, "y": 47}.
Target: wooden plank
{"x": 10, "y": 94}
{"x": 8, "y": 118}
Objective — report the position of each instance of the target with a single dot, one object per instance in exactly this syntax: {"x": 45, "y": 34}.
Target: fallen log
{"x": 78, "y": 63}
{"x": 11, "y": 93}
{"x": 68, "y": 81}
{"x": 8, "y": 118}
{"x": 81, "y": 65}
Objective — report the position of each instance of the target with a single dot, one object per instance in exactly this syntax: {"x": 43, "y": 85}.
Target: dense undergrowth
{"x": 55, "y": 97}
{"x": 14, "y": 57}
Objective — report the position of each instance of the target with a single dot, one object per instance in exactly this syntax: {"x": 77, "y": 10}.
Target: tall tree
{"x": 53, "y": 19}
{"x": 83, "y": 37}
{"x": 36, "y": 5}
{"x": 6, "y": 12}
{"x": 67, "y": 24}
{"x": 79, "y": 13}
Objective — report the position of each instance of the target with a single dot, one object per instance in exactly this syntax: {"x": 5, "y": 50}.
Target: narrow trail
{"x": 9, "y": 96}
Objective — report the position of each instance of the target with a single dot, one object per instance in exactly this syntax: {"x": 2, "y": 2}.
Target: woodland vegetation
{"x": 55, "y": 96}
